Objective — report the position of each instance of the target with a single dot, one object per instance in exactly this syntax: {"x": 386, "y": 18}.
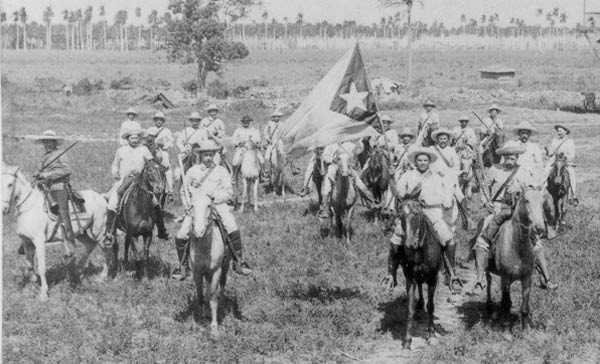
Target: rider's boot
{"x": 111, "y": 226}
{"x": 450, "y": 264}
{"x": 239, "y": 265}
{"x": 160, "y": 224}
{"x": 542, "y": 267}
{"x": 182, "y": 248}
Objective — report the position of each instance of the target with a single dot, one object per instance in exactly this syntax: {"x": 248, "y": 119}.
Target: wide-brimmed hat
{"x": 48, "y": 135}
{"x": 406, "y": 131}
{"x": 195, "y": 116}
{"x": 525, "y": 125}
{"x": 208, "y": 145}
{"x": 246, "y": 118}
{"x": 562, "y": 127}
{"x": 494, "y": 107}
{"x": 429, "y": 102}
{"x": 212, "y": 107}
{"x": 131, "y": 111}
{"x": 422, "y": 150}
{"x": 511, "y": 147}
{"x": 277, "y": 113}
{"x": 439, "y": 131}
{"x": 463, "y": 118}
{"x": 132, "y": 131}
{"x": 159, "y": 115}
{"x": 385, "y": 118}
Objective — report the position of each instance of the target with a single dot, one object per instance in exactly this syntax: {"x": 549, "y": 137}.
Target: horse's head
{"x": 558, "y": 169}
{"x": 12, "y": 180}
{"x": 202, "y": 205}
{"x": 411, "y": 219}
{"x": 530, "y": 209}
{"x": 344, "y": 163}
{"x": 153, "y": 177}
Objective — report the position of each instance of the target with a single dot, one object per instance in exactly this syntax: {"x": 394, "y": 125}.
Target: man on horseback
{"x": 389, "y": 138}
{"x": 492, "y": 123}
{"x": 164, "y": 138}
{"x": 531, "y": 159}
{"x": 427, "y": 187}
{"x": 129, "y": 161}
{"x": 331, "y": 155}
{"x": 430, "y": 120}
{"x": 464, "y": 135}
{"x": 215, "y": 129}
{"x": 193, "y": 134}
{"x": 128, "y": 124}
{"x": 152, "y": 136}
{"x": 402, "y": 150}
{"x": 209, "y": 179}
{"x": 310, "y": 169}
{"x": 244, "y": 138}
{"x": 447, "y": 163}
{"x": 53, "y": 178}
{"x": 504, "y": 183}
{"x": 564, "y": 145}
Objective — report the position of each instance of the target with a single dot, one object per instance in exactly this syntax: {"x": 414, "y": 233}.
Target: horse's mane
{"x": 426, "y": 230}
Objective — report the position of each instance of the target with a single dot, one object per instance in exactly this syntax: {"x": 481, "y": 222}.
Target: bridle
{"x": 15, "y": 176}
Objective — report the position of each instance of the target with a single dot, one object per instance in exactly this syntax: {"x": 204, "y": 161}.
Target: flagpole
{"x": 377, "y": 108}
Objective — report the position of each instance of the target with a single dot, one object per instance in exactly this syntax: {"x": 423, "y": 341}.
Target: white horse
{"x": 209, "y": 258}
{"x": 35, "y": 226}
{"x": 250, "y": 171}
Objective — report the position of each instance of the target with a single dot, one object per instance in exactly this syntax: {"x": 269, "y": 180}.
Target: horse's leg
{"x": 489, "y": 303}
{"x": 557, "y": 211}
{"x": 349, "y": 230}
{"x": 410, "y": 313}
{"x": 244, "y": 193}
{"x": 89, "y": 245}
{"x": 255, "y": 193}
{"x": 215, "y": 293}
{"x": 421, "y": 301}
{"x": 126, "y": 251}
{"x": 481, "y": 262}
{"x": 29, "y": 248}
{"x": 40, "y": 248}
{"x": 505, "y": 303}
{"x": 146, "y": 254}
{"x": 431, "y": 306}
{"x": 526, "y": 289}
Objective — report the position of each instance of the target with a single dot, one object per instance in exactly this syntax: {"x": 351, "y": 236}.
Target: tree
{"x": 120, "y": 19}
{"x": 300, "y": 22}
{"x": 3, "y": 25}
{"x": 23, "y": 18}
{"x": 87, "y": 21}
{"x": 408, "y": 4}
{"x": 265, "y": 17}
{"x": 48, "y": 15}
{"x": 102, "y": 14}
{"x": 138, "y": 14}
{"x": 78, "y": 17}
{"x": 67, "y": 22}
{"x": 195, "y": 34}
{"x": 285, "y": 20}
{"x": 152, "y": 21}
{"x": 16, "y": 20}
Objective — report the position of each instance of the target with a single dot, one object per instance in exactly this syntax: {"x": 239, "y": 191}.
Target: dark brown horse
{"x": 377, "y": 175}
{"x": 421, "y": 260}
{"x": 318, "y": 175}
{"x": 366, "y": 152}
{"x": 137, "y": 215}
{"x": 512, "y": 257}
{"x": 558, "y": 185}
{"x": 489, "y": 155}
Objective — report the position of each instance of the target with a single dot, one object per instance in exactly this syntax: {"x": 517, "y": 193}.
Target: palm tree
{"x": 138, "y": 14}
{"x": 463, "y": 20}
{"x": 2, "y": 26}
{"x": 72, "y": 21}
{"x": 265, "y": 17}
{"x": 65, "y": 14}
{"x": 300, "y": 22}
{"x": 152, "y": 20}
{"x": 409, "y": 34}
{"x": 48, "y": 15}
{"x": 125, "y": 27}
{"x": 87, "y": 19}
{"x": 23, "y": 18}
{"x": 285, "y": 20}
{"x": 16, "y": 20}
{"x": 102, "y": 14}
{"x": 563, "y": 20}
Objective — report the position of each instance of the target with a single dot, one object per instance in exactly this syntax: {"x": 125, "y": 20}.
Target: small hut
{"x": 497, "y": 72}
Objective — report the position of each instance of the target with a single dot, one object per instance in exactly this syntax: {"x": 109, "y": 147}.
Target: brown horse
{"x": 512, "y": 257}
{"x": 421, "y": 259}
{"x": 377, "y": 175}
{"x": 558, "y": 185}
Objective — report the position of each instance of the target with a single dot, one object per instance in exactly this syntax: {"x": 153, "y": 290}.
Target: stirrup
{"x": 574, "y": 201}
{"x": 242, "y": 268}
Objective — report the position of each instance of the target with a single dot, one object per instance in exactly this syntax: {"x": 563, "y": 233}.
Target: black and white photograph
{"x": 300, "y": 181}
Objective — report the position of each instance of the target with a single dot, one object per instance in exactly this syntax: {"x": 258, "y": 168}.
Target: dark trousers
{"x": 61, "y": 197}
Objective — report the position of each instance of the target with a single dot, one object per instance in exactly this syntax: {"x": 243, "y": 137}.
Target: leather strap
{"x": 505, "y": 184}
{"x": 443, "y": 157}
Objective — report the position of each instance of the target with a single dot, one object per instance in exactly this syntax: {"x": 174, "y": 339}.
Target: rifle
{"x": 421, "y": 136}
{"x": 186, "y": 195}
{"x": 48, "y": 164}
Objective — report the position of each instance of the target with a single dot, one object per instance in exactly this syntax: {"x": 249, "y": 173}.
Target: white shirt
{"x": 567, "y": 148}
{"x": 433, "y": 189}
{"x": 214, "y": 127}
{"x": 532, "y": 158}
{"x": 431, "y": 118}
{"x": 191, "y": 136}
{"x": 165, "y": 138}
{"x": 128, "y": 160}
{"x": 270, "y": 130}
{"x": 392, "y": 140}
{"x": 243, "y": 135}
{"x": 440, "y": 166}
{"x": 216, "y": 185}
{"x": 490, "y": 125}
{"x": 497, "y": 175}
{"x": 465, "y": 136}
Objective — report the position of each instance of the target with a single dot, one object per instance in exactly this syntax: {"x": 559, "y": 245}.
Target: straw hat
{"x": 494, "y": 107}
{"x": 406, "y": 131}
{"x": 511, "y": 147}
{"x": 525, "y": 125}
{"x": 131, "y": 111}
{"x": 277, "y": 114}
{"x": 463, "y": 118}
{"x": 439, "y": 131}
{"x": 386, "y": 118}
{"x": 48, "y": 135}
{"x": 195, "y": 116}
{"x": 159, "y": 115}
{"x": 428, "y": 102}
{"x": 206, "y": 146}
{"x": 557, "y": 126}
{"x": 212, "y": 107}
{"x": 133, "y": 131}
{"x": 412, "y": 156}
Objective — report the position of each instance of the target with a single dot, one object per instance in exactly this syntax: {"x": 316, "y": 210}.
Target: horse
{"x": 421, "y": 259}
{"x": 489, "y": 155}
{"x": 343, "y": 198}
{"x": 366, "y": 151}
{"x": 277, "y": 163}
{"x": 465, "y": 178}
{"x": 318, "y": 175}
{"x": 513, "y": 257}
{"x": 35, "y": 225}
{"x": 250, "y": 170}
{"x": 377, "y": 173}
{"x": 558, "y": 185}
{"x": 136, "y": 215}
{"x": 209, "y": 257}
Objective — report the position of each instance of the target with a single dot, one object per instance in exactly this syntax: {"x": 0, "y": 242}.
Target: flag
{"x": 341, "y": 107}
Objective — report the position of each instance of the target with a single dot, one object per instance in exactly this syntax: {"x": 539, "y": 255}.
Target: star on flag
{"x": 355, "y": 99}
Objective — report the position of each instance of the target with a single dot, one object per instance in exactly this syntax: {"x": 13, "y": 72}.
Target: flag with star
{"x": 340, "y": 107}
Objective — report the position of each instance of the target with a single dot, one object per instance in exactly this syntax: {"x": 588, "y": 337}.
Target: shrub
{"x": 218, "y": 89}
{"x": 235, "y": 50}
{"x": 191, "y": 87}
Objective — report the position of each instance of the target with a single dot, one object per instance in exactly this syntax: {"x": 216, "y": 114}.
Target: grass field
{"x": 312, "y": 300}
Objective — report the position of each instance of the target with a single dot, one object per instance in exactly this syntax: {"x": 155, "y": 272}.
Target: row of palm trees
{"x": 78, "y": 32}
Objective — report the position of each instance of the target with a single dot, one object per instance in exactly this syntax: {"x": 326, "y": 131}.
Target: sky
{"x": 362, "y": 11}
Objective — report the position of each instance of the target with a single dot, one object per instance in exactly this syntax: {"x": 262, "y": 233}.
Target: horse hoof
{"x": 406, "y": 344}
{"x": 43, "y": 296}
{"x": 214, "y": 330}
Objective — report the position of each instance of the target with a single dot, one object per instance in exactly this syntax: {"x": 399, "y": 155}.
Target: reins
{"x": 12, "y": 192}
